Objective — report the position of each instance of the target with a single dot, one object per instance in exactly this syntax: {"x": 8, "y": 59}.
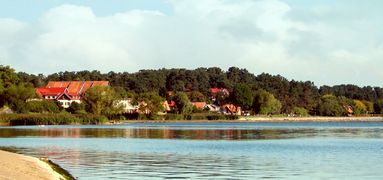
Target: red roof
{"x": 57, "y": 84}
{"x": 215, "y": 90}
{"x": 218, "y": 90}
{"x": 199, "y": 105}
{"x": 50, "y": 91}
{"x": 76, "y": 88}
{"x": 231, "y": 107}
{"x": 172, "y": 104}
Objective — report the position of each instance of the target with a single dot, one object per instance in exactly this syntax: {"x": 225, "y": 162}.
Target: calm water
{"x": 208, "y": 150}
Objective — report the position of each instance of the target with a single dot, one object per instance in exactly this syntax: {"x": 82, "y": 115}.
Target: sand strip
{"x": 17, "y": 166}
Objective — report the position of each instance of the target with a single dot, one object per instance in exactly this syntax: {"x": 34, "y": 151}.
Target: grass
{"x": 58, "y": 169}
{"x": 51, "y": 119}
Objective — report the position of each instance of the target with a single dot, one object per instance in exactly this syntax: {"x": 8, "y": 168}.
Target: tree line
{"x": 263, "y": 93}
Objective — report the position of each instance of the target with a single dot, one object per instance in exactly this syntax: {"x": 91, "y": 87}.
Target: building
{"x": 67, "y": 92}
{"x": 199, "y": 105}
{"x": 231, "y": 109}
{"x": 214, "y": 92}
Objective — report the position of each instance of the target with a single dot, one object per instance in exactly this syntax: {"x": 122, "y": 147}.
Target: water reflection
{"x": 206, "y": 151}
{"x": 197, "y": 134}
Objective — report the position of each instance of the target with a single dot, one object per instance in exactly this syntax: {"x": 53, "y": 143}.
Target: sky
{"x": 328, "y": 42}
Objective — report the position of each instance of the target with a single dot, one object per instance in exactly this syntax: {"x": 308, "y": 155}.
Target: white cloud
{"x": 262, "y": 36}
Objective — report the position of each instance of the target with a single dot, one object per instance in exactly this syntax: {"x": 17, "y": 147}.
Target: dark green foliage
{"x": 242, "y": 96}
{"x": 301, "y": 112}
{"x": 17, "y": 95}
{"x": 76, "y": 108}
{"x": 43, "y": 106}
{"x": 183, "y": 103}
{"x": 101, "y": 100}
{"x": 196, "y": 96}
{"x": 196, "y": 83}
{"x": 150, "y": 103}
{"x": 378, "y": 106}
{"x": 51, "y": 119}
{"x": 266, "y": 103}
{"x": 330, "y": 106}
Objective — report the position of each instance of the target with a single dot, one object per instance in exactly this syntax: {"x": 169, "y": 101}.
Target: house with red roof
{"x": 199, "y": 105}
{"x": 67, "y": 92}
{"x": 214, "y": 92}
{"x": 231, "y": 109}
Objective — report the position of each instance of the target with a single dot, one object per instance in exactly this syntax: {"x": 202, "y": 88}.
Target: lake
{"x": 292, "y": 150}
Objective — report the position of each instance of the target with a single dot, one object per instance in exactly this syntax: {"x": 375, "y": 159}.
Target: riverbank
{"x": 17, "y": 166}
{"x": 271, "y": 119}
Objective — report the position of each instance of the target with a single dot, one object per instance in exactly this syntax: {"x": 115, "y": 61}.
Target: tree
{"x": 266, "y": 103}
{"x": 196, "y": 96}
{"x": 8, "y": 77}
{"x": 359, "y": 107}
{"x": 17, "y": 95}
{"x": 242, "y": 96}
{"x": 300, "y": 111}
{"x": 43, "y": 106}
{"x": 150, "y": 102}
{"x": 369, "y": 106}
{"x": 183, "y": 103}
{"x": 330, "y": 106}
{"x": 101, "y": 100}
{"x": 378, "y": 106}
{"x": 76, "y": 108}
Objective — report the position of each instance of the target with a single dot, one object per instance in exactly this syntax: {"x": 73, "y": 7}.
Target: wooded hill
{"x": 293, "y": 95}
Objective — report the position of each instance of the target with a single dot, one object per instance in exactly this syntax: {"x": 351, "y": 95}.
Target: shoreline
{"x": 20, "y": 167}
{"x": 266, "y": 119}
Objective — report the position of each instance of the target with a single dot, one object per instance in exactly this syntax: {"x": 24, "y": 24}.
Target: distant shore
{"x": 271, "y": 119}
{"x": 20, "y": 167}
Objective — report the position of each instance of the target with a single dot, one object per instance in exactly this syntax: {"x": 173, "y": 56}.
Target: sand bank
{"x": 266, "y": 119}
{"x": 16, "y": 166}
{"x": 312, "y": 119}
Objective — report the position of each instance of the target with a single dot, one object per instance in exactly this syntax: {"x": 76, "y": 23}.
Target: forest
{"x": 260, "y": 94}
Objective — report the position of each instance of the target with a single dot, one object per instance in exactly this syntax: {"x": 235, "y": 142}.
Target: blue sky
{"x": 328, "y": 42}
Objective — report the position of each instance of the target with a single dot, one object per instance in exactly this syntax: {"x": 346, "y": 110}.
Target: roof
{"x": 215, "y": 90}
{"x": 218, "y": 90}
{"x": 172, "y": 104}
{"x": 76, "y": 88}
{"x": 50, "y": 91}
{"x": 231, "y": 107}
{"x": 199, "y": 105}
{"x": 57, "y": 84}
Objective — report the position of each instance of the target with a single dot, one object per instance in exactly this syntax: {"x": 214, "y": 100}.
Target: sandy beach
{"x": 20, "y": 167}
{"x": 267, "y": 119}
{"x": 311, "y": 119}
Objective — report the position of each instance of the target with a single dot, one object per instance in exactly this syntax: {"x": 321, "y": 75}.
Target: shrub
{"x": 299, "y": 111}
{"x": 51, "y": 119}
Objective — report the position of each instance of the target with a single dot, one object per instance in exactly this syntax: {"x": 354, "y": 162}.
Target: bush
{"x": 76, "y": 108}
{"x": 43, "y": 106}
{"x": 51, "y": 119}
{"x": 299, "y": 111}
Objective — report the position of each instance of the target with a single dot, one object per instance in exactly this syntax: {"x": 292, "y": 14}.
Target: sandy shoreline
{"x": 20, "y": 167}
{"x": 269, "y": 119}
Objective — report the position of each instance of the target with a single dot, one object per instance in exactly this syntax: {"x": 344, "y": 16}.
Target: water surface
{"x": 306, "y": 150}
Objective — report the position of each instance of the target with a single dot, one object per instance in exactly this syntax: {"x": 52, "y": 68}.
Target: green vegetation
{"x": 258, "y": 94}
{"x": 183, "y": 103}
{"x": 64, "y": 173}
{"x": 299, "y": 111}
{"x": 101, "y": 100}
{"x": 242, "y": 96}
{"x": 150, "y": 103}
{"x": 265, "y": 103}
{"x": 51, "y": 119}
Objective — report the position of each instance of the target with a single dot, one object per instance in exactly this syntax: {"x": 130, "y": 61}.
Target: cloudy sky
{"x": 327, "y": 41}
